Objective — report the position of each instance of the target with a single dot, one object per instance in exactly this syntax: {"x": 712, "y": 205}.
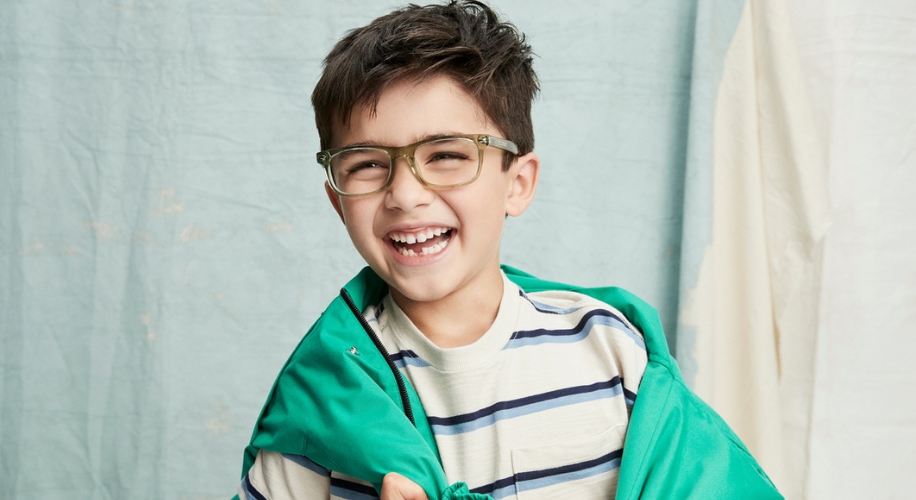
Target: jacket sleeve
{"x": 274, "y": 476}
{"x": 277, "y": 477}
{"x": 678, "y": 447}
{"x": 337, "y": 402}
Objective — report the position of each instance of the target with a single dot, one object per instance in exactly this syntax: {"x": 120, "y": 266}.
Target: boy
{"x": 436, "y": 365}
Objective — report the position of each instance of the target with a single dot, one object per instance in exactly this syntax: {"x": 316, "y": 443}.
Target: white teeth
{"x": 430, "y": 250}
{"x": 433, "y": 249}
{"x": 420, "y": 237}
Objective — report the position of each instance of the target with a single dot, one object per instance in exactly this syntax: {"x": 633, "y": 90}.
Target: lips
{"x": 425, "y": 241}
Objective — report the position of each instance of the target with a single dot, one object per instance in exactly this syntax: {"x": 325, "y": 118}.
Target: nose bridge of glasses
{"x": 407, "y": 153}
{"x": 401, "y": 153}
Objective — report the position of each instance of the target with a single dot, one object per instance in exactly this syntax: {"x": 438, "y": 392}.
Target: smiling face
{"x": 433, "y": 246}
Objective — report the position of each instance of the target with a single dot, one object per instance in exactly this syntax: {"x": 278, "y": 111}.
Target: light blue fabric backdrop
{"x": 165, "y": 238}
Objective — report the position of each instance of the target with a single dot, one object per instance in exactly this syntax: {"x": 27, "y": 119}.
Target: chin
{"x": 429, "y": 288}
{"x": 416, "y": 293}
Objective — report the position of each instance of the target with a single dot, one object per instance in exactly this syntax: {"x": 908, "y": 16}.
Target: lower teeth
{"x": 430, "y": 250}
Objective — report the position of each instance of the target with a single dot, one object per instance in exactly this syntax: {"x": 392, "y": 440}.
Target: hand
{"x": 398, "y": 487}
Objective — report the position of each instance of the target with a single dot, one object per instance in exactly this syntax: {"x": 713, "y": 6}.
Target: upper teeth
{"x": 419, "y": 236}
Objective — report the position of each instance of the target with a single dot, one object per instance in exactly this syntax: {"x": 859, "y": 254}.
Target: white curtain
{"x": 804, "y": 308}
{"x": 859, "y": 60}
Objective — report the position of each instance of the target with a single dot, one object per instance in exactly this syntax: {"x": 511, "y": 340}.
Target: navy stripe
{"x": 568, "y": 332}
{"x": 565, "y": 469}
{"x": 525, "y": 401}
{"x": 350, "y": 486}
{"x": 573, "y": 473}
{"x": 407, "y": 353}
{"x": 337, "y": 492}
{"x": 408, "y": 357}
{"x": 308, "y": 464}
{"x": 375, "y": 316}
{"x": 580, "y": 331}
{"x": 546, "y": 308}
{"x": 630, "y": 396}
{"x": 508, "y": 485}
{"x": 251, "y": 490}
{"x": 499, "y": 484}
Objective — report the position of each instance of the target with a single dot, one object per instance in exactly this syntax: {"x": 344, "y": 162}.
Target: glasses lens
{"x": 361, "y": 170}
{"x": 448, "y": 162}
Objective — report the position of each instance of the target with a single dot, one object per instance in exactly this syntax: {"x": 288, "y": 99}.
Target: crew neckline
{"x": 450, "y": 359}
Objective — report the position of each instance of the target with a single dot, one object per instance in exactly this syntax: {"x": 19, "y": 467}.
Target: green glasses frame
{"x": 482, "y": 140}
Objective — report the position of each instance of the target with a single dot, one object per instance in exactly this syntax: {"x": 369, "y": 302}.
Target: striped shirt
{"x": 536, "y": 408}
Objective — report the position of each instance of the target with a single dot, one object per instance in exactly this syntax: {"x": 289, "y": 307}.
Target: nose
{"x": 406, "y": 191}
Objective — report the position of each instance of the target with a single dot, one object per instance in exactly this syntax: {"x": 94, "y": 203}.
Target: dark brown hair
{"x": 464, "y": 40}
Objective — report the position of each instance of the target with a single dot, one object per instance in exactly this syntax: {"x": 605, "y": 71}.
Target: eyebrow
{"x": 364, "y": 142}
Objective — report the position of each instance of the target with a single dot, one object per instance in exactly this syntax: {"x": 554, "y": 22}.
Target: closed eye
{"x": 365, "y": 165}
{"x": 446, "y": 155}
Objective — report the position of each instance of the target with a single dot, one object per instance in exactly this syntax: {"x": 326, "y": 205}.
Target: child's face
{"x": 465, "y": 223}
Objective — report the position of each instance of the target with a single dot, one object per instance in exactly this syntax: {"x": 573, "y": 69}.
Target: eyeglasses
{"x": 440, "y": 162}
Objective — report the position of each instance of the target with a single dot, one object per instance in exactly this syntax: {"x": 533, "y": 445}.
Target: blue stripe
{"x": 546, "y": 308}
{"x": 629, "y": 396}
{"x": 540, "y": 479}
{"x": 379, "y": 309}
{"x": 308, "y": 464}
{"x": 408, "y": 357}
{"x": 505, "y": 491}
{"x": 580, "y": 331}
{"x": 535, "y": 398}
{"x": 250, "y": 491}
{"x": 525, "y": 406}
{"x": 349, "y": 490}
{"x": 526, "y": 481}
{"x": 498, "y": 489}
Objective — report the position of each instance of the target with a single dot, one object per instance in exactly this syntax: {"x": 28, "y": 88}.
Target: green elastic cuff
{"x": 459, "y": 491}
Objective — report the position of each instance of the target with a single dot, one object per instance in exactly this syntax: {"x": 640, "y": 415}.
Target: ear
{"x": 523, "y": 181}
{"x": 335, "y": 201}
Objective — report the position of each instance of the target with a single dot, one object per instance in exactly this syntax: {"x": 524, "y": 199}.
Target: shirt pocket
{"x": 582, "y": 468}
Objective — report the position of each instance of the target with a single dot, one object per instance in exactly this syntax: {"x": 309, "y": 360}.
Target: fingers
{"x": 398, "y": 487}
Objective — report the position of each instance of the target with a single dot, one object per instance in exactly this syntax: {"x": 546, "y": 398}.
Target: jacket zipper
{"x": 402, "y": 388}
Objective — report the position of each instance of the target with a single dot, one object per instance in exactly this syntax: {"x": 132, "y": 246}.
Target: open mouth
{"x": 429, "y": 241}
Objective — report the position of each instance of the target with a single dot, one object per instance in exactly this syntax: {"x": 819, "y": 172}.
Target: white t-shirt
{"x": 536, "y": 408}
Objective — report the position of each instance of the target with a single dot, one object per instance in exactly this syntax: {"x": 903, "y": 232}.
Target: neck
{"x": 458, "y": 319}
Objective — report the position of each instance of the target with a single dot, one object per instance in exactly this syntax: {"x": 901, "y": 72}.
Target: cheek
{"x": 487, "y": 216}
{"x": 357, "y": 217}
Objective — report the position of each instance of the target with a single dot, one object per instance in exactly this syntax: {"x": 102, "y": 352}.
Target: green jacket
{"x": 341, "y": 402}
